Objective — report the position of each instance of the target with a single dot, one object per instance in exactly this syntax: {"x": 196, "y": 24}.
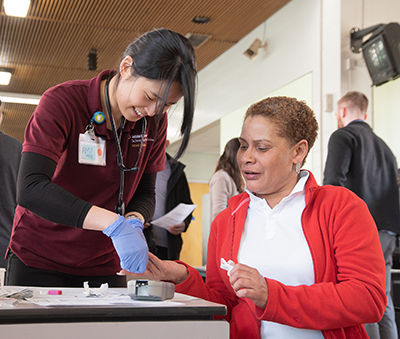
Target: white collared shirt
{"x": 273, "y": 241}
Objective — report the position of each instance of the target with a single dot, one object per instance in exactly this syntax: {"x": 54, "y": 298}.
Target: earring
{"x": 298, "y": 167}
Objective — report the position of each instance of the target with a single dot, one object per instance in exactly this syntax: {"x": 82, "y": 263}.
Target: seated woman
{"x": 308, "y": 258}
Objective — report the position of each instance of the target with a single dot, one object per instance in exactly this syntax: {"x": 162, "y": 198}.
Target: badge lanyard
{"x": 120, "y": 206}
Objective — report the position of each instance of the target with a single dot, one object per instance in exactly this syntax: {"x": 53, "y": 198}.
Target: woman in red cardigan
{"x": 289, "y": 258}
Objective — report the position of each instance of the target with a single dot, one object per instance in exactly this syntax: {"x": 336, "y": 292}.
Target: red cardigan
{"x": 349, "y": 269}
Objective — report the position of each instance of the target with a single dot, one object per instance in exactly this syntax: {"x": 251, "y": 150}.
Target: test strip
{"x": 54, "y": 292}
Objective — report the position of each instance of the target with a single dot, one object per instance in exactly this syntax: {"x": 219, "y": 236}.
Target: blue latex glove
{"x": 130, "y": 243}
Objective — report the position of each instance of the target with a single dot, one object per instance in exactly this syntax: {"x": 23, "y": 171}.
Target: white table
{"x": 180, "y": 317}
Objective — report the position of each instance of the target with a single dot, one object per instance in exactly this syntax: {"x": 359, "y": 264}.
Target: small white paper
{"x": 227, "y": 265}
{"x": 175, "y": 216}
{"x": 89, "y": 292}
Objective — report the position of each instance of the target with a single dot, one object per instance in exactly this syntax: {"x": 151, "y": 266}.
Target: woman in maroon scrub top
{"x": 90, "y": 157}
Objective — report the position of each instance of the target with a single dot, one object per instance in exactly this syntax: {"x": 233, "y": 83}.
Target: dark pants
{"x": 386, "y": 328}
{"x": 18, "y": 274}
{"x": 162, "y": 253}
{"x": 159, "y": 251}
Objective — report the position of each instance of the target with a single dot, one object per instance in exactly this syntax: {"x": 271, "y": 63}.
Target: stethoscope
{"x": 120, "y": 206}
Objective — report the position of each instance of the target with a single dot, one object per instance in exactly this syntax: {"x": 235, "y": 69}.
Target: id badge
{"x": 92, "y": 150}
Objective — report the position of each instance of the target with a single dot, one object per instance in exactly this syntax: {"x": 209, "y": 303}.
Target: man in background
{"x": 359, "y": 160}
{"x": 10, "y": 156}
{"x": 172, "y": 189}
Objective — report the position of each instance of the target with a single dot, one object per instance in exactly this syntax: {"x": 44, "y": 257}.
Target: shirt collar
{"x": 357, "y": 120}
{"x": 299, "y": 188}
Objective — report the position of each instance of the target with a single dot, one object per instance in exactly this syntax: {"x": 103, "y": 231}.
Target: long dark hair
{"x": 168, "y": 56}
{"x": 227, "y": 162}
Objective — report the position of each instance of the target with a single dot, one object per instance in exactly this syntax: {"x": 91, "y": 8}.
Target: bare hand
{"x": 161, "y": 270}
{"x": 177, "y": 229}
{"x": 147, "y": 224}
{"x": 247, "y": 282}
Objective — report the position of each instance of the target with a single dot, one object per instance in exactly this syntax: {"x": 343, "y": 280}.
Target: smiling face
{"x": 136, "y": 97}
{"x": 267, "y": 161}
{"x": 141, "y": 97}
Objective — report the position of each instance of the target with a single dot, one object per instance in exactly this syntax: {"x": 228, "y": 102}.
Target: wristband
{"x": 135, "y": 216}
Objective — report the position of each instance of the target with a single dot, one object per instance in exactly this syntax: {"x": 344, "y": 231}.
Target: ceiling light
{"x": 19, "y": 98}
{"x": 5, "y": 77}
{"x": 200, "y": 20}
{"x": 16, "y": 7}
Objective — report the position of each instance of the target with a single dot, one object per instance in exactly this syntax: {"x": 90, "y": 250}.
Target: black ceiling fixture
{"x": 92, "y": 60}
{"x": 201, "y": 20}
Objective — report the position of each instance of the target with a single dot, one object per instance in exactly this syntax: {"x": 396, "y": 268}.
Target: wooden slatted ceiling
{"x": 52, "y": 43}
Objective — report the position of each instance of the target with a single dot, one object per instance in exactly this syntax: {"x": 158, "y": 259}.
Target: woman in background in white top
{"x": 227, "y": 180}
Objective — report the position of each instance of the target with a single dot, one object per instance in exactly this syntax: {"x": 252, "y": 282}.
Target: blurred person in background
{"x": 227, "y": 179}
{"x": 10, "y": 157}
{"x": 362, "y": 162}
{"x": 172, "y": 189}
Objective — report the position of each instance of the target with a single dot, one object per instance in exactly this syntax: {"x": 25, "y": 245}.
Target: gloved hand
{"x": 130, "y": 243}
